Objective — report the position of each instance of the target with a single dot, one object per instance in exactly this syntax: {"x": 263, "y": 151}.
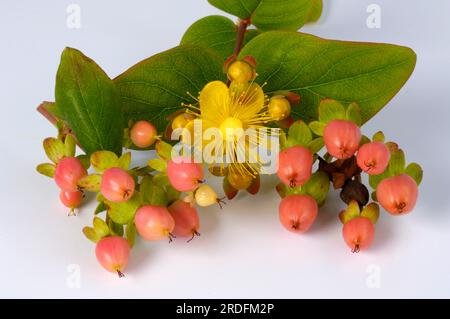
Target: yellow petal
{"x": 214, "y": 100}
{"x": 248, "y": 100}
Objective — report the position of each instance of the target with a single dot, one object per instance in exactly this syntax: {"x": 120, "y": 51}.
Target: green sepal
{"x": 330, "y": 110}
{"x": 164, "y": 150}
{"x": 101, "y": 207}
{"x": 102, "y": 160}
{"x": 299, "y": 134}
{"x": 69, "y": 145}
{"x": 90, "y": 183}
{"x": 371, "y": 211}
{"x": 316, "y": 145}
{"x": 397, "y": 163}
{"x": 352, "y": 211}
{"x": 318, "y": 187}
{"x": 415, "y": 171}
{"x": 130, "y": 233}
{"x": 124, "y": 161}
{"x": 85, "y": 161}
{"x": 317, "y": 127}
{"x": 378, "y": 137}
{"x": 158, "y": 164}
{"x": 100, "y": 227}
{"x": 54, "y": 149}
{"x": 353, "y": 113}
{"x": 46, "y": 169}
{"x": 91, "y": 234}
{"x": 123, "y": 212}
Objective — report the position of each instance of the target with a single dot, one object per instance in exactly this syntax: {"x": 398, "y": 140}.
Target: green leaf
{"x": 216, "y": 32}
{"x": 158, "y": 164}
{"x": 46, "y": 169}
{"x": 100, "y": 227}
{"x": 415, "y": 171}
{"x": 54, "y": 149}
{"x": 316, "y": 145}
{"x": 102, "y": 160}
{"x": 316, "y": 11}
{"x": 124, "y": 161}
{"x": 130, "y": 233}
{"x": 123, "y": 212}
{"x": 53, "y": 109}
{"x": 366, "y": 73}
{"x": 330, "y": 110}
{"x": 91, "y": 183}
{"x": 397, "y": 163}
{"x": 299, "y": 134}
{"x": 85, "y": 161}
{"x": 317, "y": 127}
{"x": 155, "y": 88}
{"x": 269, "y": 14}
{"x": 353, "y": 114}
{"x": 91, "y": 234}
{"x": 115, "y": 228}
{"x": 69, "y": 146}
{"x": 90, "y": 103}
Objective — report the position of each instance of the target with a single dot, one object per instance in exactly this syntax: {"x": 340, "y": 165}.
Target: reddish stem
{"x": 41, "y": 109}
{"x": 241, "y": 29}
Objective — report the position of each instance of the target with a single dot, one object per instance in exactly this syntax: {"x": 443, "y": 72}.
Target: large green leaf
{"x": 156, "y": 87}
{"x": 367, "y": 73}
{"x": 216, "y": 32}
{"x": 269, "y": 14}
{"x": 89, "y": 102}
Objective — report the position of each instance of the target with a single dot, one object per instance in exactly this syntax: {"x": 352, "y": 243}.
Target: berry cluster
{"x": 147, "y": 201}
{"x": 349, "y": 154}
{"x": 158, "y": 202}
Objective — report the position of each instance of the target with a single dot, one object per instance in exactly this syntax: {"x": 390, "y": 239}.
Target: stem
{"x": 241, "y": 29}
{"x": 41, "y": 109}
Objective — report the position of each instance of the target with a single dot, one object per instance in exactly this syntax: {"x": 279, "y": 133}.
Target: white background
{"x": 243, "y": 251}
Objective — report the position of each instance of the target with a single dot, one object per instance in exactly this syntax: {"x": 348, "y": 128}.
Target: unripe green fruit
{"x": 240, "y": 72}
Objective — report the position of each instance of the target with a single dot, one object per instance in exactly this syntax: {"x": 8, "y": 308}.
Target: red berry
{"x": 112, "y": 253}
{"x": 143, "y": 134}
{"x": 358, "y": 233}
{"x": 373, "y": 158}
{"x": 295, "y": 165}
{"x": 297, "y": 212}
{"x": 154, "y": 223}
{"x": 71, "y": 199}
{"x": 186, "y": 219}
{"x": 184, "y": 175}
{"x": 398, "y": 194}
{"x": 68, "y": 172}
{"x": 117, "y": 185}
{"x": 342, "y": 138}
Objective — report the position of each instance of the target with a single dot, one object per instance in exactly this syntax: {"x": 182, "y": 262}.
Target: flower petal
{"x": 214, "y": 100}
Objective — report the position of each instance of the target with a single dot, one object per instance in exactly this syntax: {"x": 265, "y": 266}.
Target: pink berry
{"x": 186, "y": 219}
{"x": 295, "y": 165}
{"x": 68, "y": 172}
{"x": 143, "y": 134}
{"x": 117, "y": 185}
{"x": 184, "y": 175}
{"x": 398, "y": 194}
{"x": 373, "y": 158}
{"x": 297, "y": 212}
{"x": 358, "y": 233}
{"x": 112, "y": 253}
{"x": 154, "y": 223}
{"x": 342, "y": 138}
{"x": 71, "y": 199}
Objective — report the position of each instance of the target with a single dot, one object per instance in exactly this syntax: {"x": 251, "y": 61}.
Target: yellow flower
{"x": 239, "y": 107}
